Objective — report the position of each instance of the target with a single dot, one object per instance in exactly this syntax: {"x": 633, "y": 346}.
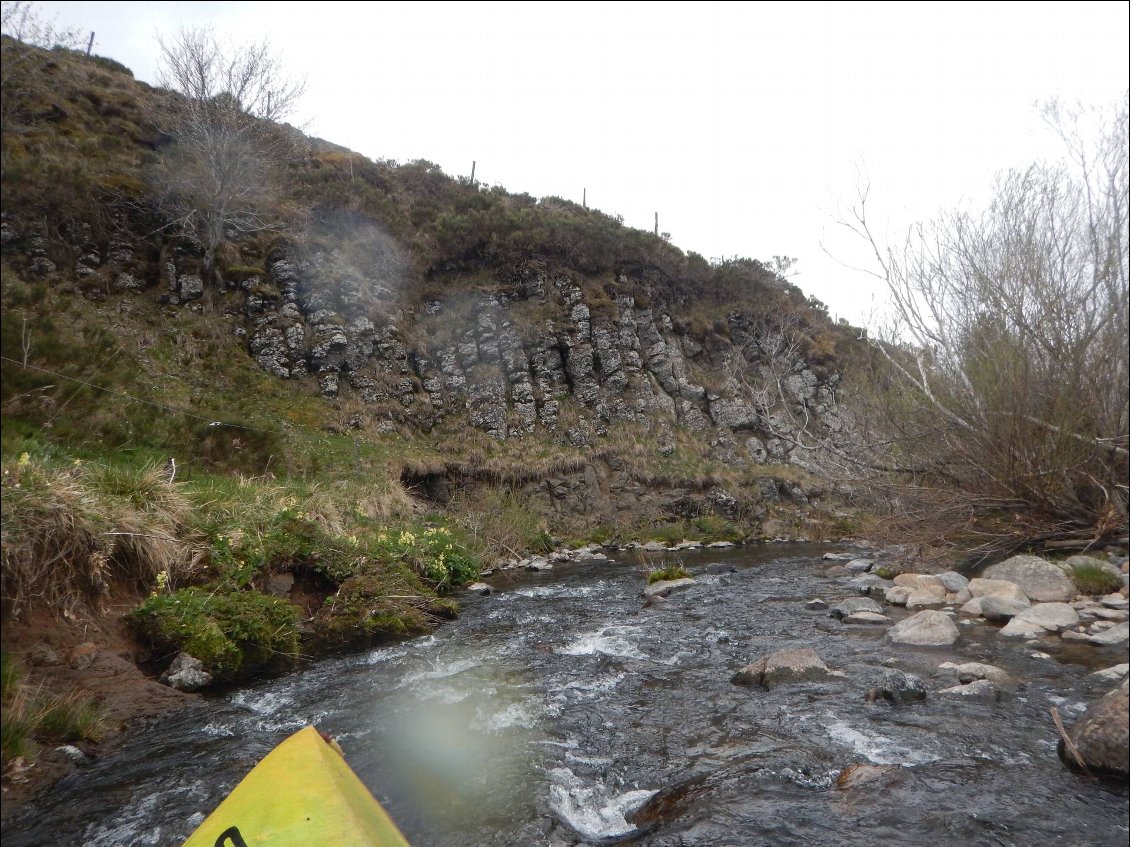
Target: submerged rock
{"x": 1101, "y": 736}
{"x": 853, "y": 776}
{"x": 900, "y": 687}
{"x": 925, "y": 629}
{"x": 979, "y": 689}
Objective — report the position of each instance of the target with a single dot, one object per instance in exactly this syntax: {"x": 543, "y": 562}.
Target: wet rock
{"x": 784, "y": 666}
{"x": 967, "y": 672}
{"x": 666, "y": 587}
{"x": 816, "y": 605}
{"x": 186, "y": 673}
{"x": 900, "y": 687}
{"x": 995, "y": 607}
{"x": 1101, "y": 736}
{"x": 851, "y": 605}
{"x": 871, "y": 585}
{"x": 537, "y": 563}
{"x": 480, "y": 588}
{"x": 980, "y": 689}
{"x": 860, "y": 565}
{"x": 1115, "y": 601}
{"x": 871, "y": 618}
{"x": 926, "y": 629}
{"x": 721, "y": 545}
{"x": 1036, "y": 577}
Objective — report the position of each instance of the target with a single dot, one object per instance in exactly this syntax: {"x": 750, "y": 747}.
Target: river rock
{"x": 1112, "y": 674}
{"x": 1101, "y": 735}
{"x": 979, "y": 689}
{"x": 860, "y": 565}
{"x": 1114, "y": 635}
{"x": 665, "y": 587}
{"x": 721, "y": 545}
{"x": 953, "y": 582}
{"x": 538, "y": 563}
{"x": 186, "y": 673}
{"x": 784, "y": 666}
{"x": 996, "y": 607}
{"x": 816, "y": 605}
{"x": 871, "y": 618}
{"x": 1115, "y": 601}
{"x": 1038, "y": 578}
{"x": 997, "y": 587}
{"x": 929, "y": 628}
{"x": 921, "y": 598}
{"x": 72, "y": 753}
{"x": 1054, "y": 617}
{"x": 480, "y": 588}
{"x": 897, "y": 595}
{"x": 851, "y": 605}
{"x": 968, "y": 672}
{"x": 901, "y": 687}
{"x": 871, "y": 585}
{"x": 1017, "y": 628}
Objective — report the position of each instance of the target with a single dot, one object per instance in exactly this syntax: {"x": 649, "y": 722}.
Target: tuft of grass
{"x": 1095, "y": 580}
{"x": 670, "y": 572}
{"x": 29, "y": 714}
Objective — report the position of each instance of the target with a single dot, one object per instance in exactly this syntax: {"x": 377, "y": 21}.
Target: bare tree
{"x": 1007, "y": 389}
{"x": 221, "y": 173}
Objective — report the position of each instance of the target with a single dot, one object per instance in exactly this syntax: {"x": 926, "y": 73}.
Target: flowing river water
{"x": 549, "y": 712}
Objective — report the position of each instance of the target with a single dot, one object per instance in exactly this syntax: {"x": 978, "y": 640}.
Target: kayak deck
{"x": 301, "y": 793}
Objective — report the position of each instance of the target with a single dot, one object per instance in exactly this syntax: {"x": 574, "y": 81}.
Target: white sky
{"x": 743, "y": 124}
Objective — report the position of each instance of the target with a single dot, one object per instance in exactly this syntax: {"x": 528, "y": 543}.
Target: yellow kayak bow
{"x": 302, "y": 794}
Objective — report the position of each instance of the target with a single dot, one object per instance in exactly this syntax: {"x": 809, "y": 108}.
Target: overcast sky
{"x": 744, "y": 125}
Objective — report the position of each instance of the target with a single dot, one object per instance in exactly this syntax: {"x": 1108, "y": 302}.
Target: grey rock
{"x": 279, "y": 584}
{"x": 901, "y": 687}
{"x": 968, "y": 672}
{"x": 921, "y": 598}
{"x": 996, "y": 607}
{"x": 860, "y": 565}
{"x": 926, "y": 629}
{"x": 1054, "y": 617}
{"x": 784, "y": 666}
{"x": 1000, "y": 587}
{"x": 720, "y": 567}
{"x": 953, "y": 581}
{"x": 538, "y": 563}
{"x": 1112, "y": 674}
{"x": 187, "y": 673}
{"x": 980, "y": 689}
{"x": 816, "y": 605}
{"x": 666, "y": 587}
{"x": 897, "y": 595}
{"x": 72, "y": 753}
{"x": 1017, "y": 628}
{"x": 1037, "y": 578}
{"x": 1114, "y": 635}
{"x": 871, "y": 618}
{"x": 480, "y": 588}
{"x": 851, "y": 605}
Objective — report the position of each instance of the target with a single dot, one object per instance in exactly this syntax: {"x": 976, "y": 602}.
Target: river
{"x": 552, "y": 709}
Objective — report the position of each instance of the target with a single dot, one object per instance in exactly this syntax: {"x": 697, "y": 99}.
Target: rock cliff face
{"x": 507, "y": 360}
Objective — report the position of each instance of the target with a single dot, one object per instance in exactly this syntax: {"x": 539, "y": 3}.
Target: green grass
{"x": 670, "y": 572}
{"x": 1094, "y": 580}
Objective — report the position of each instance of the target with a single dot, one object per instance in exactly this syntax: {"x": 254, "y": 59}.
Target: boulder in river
{"x": 1000, "y": 587}
{"x": 1113, "y": 635}
{"x": 979, "y": 689}
{"x": 928, "y": 628}
{"x": 869, "y": 618}
{"x": 1054, "y": 617}
{"x": 1101, "y": 735}
{"x": 953, "y": 582}
{"x": 792, "y": 665}
{"x": 816, "y": 605}
{"x": 1038, "y": 578}
{"x": 921, "y": 598}
{"x": 900, "y": 687}
{"x": 480, "y": 588}
{"x": 968, "y": 672}
{"x": 664, "y": 587}
{"x": 187, "y": 673}
{"x": 1017, "y": 628}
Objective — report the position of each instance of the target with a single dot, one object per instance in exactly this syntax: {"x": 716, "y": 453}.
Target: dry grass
{"x": 69, "y": 532}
